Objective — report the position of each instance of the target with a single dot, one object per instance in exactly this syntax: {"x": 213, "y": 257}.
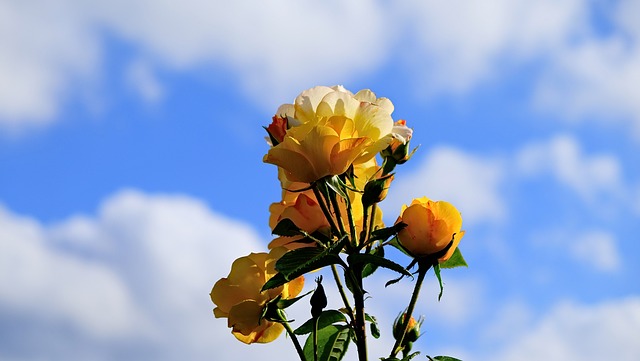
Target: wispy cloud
{"x": 471, "y": 182}
{"x": 571, "y": 331}
{"x": 562, "y": 157}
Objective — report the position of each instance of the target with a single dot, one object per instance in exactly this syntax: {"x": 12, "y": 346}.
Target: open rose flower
{"x": 304, "y": 211}
{"x": 431, "y": 226}
{"x": 239, "y": 299}
{"x": 330, "y": 130}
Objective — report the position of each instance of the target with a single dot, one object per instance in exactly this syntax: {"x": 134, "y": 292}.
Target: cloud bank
{"x": 131, "y": 281}
{"x": 52, "y": 50}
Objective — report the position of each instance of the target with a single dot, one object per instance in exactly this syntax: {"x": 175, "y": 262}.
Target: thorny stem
{"x": 397, "y": 347}
{"x": 352, "y": 225}
{"x": 372, "y": 222}
{"x": 345, "y": 300}
{"x": 364, "y": 235}
{"x": 361, "y": 334}
{"x": 294, "y": 338}
{"x": 336, "y": 210}
{"x": 325, "y": 210}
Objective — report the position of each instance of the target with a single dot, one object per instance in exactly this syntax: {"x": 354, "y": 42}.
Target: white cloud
{"x": 275, "y": 49}
{"x": 45, "y": 47}
{"x": 590, "y": 176}
{"x": 463, "y": 43}
{"x": 131, "y": 282}
{"x": 606, "y": 331}
{"x": 40, "y": 279}
{"x": 597, "y": 248}
{"x": 469, "y": 182}
{"x": 598, "y": 75}
{"x": 513, "y": 318}
{"x": 143, "y": 81}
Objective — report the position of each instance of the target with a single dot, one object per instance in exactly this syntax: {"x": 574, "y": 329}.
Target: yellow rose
{"x": 430, "y": 227}
{"x": 238, "y": 297}
{"x": 330, "y": 130}
{"x": 306, "y": 214}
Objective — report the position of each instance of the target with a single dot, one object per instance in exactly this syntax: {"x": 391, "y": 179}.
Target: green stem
{"x": 360, "y": 330}
{"x": 397, "y": 347}
{"x": 365, "y": 226}
{"x": 343, "y": 294}
{"x": 336, "y": 210}
{"x": 325, "y": 210}
{"x": 315, "y": 338}
{"x": 294, "y": 339}
{"x": 352, "y": 223}
{"x": 372, "y": 222}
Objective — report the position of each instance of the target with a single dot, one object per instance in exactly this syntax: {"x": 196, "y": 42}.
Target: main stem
{"x": 361, "y": 334}
{"x": 397, "y": 347}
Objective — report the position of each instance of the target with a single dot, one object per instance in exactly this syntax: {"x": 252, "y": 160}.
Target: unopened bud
{"x": 413, "y": 330}
{"x": 398, "y": 149}
{"x": 376, "y": 190}
{"x": 318, "y": 299}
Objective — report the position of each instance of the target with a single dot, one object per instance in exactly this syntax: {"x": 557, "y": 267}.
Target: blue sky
{"x": 131, "y": 171}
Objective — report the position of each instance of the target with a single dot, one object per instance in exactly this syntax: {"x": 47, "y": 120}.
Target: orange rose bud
{"x": 277, "y": 129}
{"x": 430, "y": 227}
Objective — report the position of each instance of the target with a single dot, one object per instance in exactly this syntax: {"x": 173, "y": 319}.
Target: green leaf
{"x": 303, "y": 260}
{"x": 326, "y": 318}
{"x": 275, "y": 281}
{"x": 375, "y": 330}
{"x": 286, "y": 228}
{"x": 274, "y": 141}
{"x": 383, "y": 234}
{"x": 297, "y": 262}
{"x": 436, "y": 270}
{"x": 411, "y": 356}
{"x": 333, "y": 342}
{"x": 337, "y": 185}
{"x": 456, "y": 260}
{"x": 370, "y": 267}
{"x": 286, "y": 302}
{"x": 372, "y": 259}
{"x": 443, "y": 358}
{"x": 396, "y": 243}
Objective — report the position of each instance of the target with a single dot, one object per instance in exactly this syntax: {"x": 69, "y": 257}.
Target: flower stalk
{"x": 397, "y": 346}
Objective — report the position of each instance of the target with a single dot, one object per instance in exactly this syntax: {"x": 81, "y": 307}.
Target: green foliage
{"x": 375, "y": 330}
{"x": 436, "y": 270}
{"x": 383, "y": 234}
{"x": 326, "y": 318}
{"x": 333, "y": 342}
{"x": 405, "y": 358}
{"x": 303, "y": 260}
{"x": 363, "y": 259}
{"x": 456, "y": 260}
{"x": 443, "y": 358}
{"x": 286, "y": 228}
{"x": 370, "y": 267}
{"x": 337, "y": 185}
{"x": 283, "y": 303}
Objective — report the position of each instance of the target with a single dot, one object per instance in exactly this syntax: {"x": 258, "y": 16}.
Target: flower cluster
{"x": 336, "y": 153}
